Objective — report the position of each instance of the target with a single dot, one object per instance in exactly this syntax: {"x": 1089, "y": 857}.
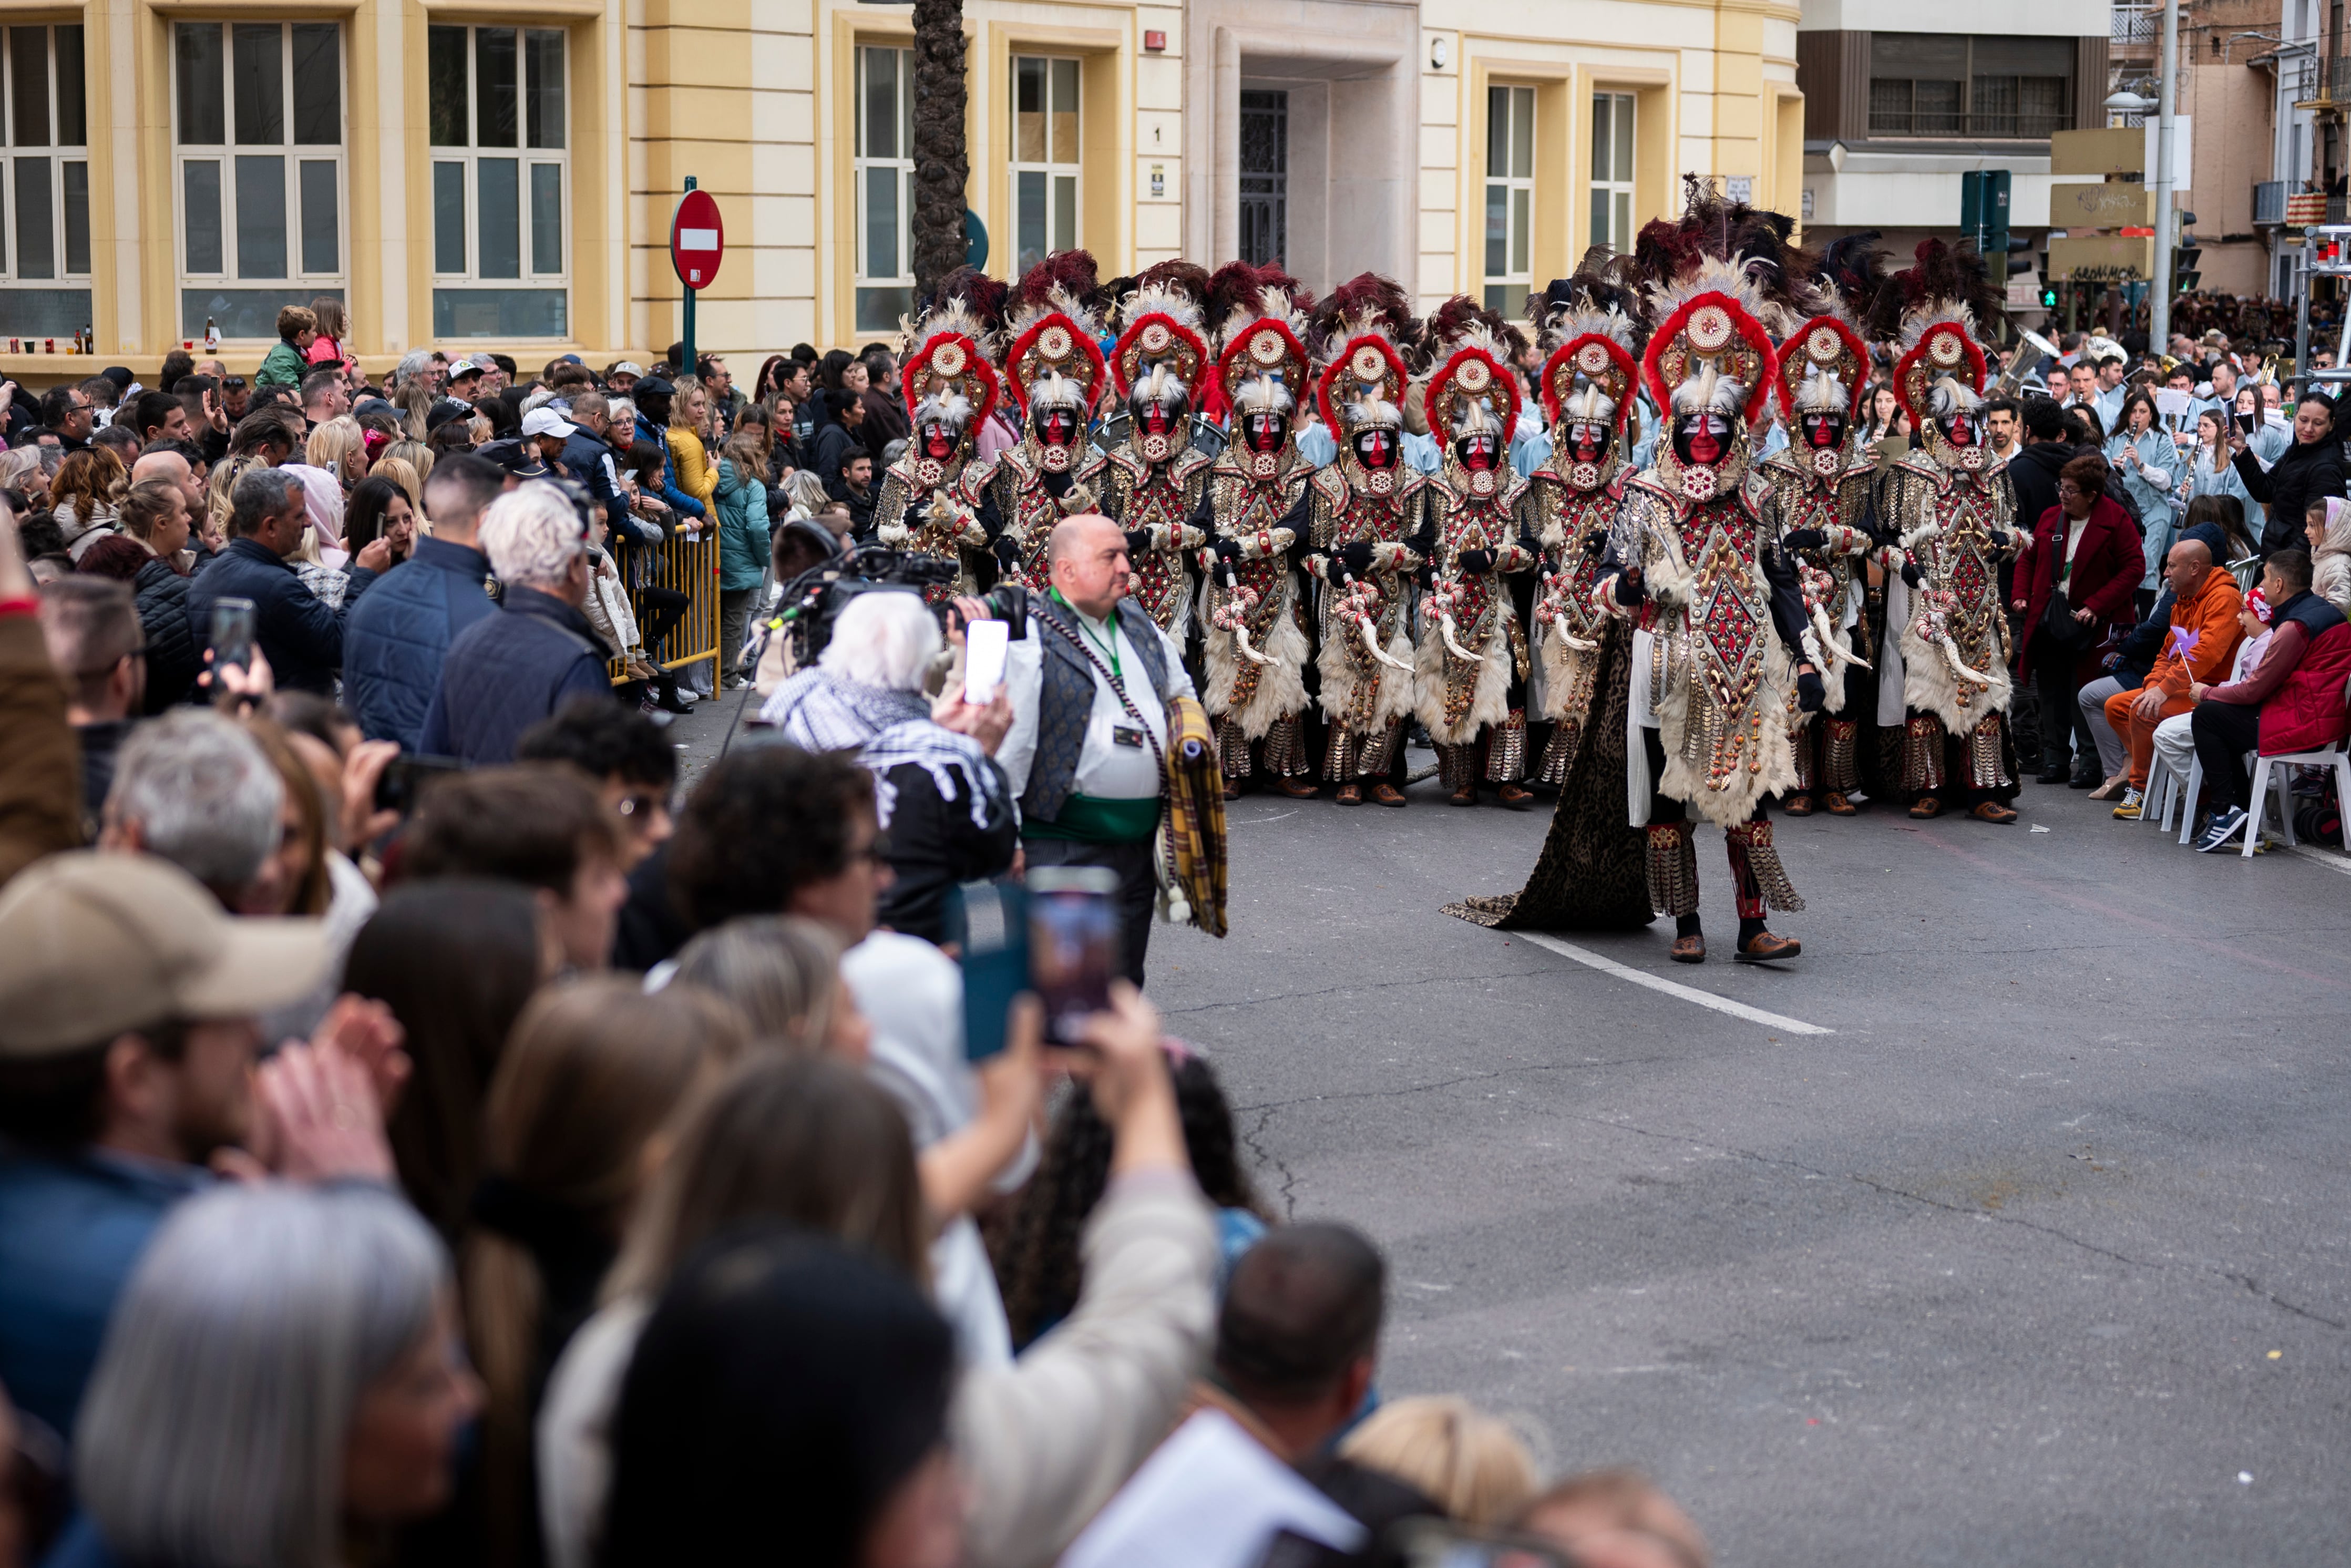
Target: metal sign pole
{"x": 686, "y": 324}
{"x": 2158, "y": 310}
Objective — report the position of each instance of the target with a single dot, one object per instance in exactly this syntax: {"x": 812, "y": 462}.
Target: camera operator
{"x": 507, "y": 671}
{"x": 943, "y": 807}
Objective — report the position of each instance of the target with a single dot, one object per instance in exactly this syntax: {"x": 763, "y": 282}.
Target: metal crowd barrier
{"x": 689, "y": 566}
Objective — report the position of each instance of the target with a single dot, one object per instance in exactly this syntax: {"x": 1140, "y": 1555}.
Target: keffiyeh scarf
{"x": 817, "y": 711}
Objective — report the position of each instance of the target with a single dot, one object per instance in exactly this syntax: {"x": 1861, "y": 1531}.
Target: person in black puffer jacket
{"x": 155, "y": 521}
{"x": 2310, "y": 470}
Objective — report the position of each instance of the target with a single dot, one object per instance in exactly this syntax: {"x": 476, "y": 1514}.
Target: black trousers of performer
{"x": 2224, "y": 732}
{"x": 1673, "y": 858}
{"x": 1138, "y": 888}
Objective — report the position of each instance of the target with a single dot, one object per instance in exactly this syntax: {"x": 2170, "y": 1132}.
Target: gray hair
{"x": 413, "y": 364}
{"x": 262, "y": 493}
{"x": 205, "y": 795}
{"x": 218, "y": 1418}
{"x": 886, "y": 640}
{"x": 531, "y": 535}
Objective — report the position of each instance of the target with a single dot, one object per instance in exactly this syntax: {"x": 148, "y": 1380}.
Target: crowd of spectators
{"x": 427, "y": 1135}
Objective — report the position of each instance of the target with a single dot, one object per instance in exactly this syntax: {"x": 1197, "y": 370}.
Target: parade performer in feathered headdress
{"x": 1368, "y": 533}
{"x": 1720, "y": 632}
{"x": 1255, "y": 512}
{"x": 1152, "y": 482}
{"x": 1054, "y": 373}
{"x": 1951, "y": 509}
{"x": 1471, "y": 659}
{"x": 931, "y": 497}
{"x": 1820, "y": 510}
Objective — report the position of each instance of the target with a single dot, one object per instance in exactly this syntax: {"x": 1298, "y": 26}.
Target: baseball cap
{"x": 467, "y": 368}
{"x": 545, "y": 421}
{"x": 627, "y": 368}
{"x": 95, "y": 942}
{"x": 654, "y": 386}
{"x": 447, "y": 410}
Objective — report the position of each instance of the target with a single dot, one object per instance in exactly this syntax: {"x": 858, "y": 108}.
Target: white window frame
{"x": 295, "y": 280}
{"x": 1058, "y": 174}
{"x": 1514, "y": 103}
{"x": 59, "y": 156}
{"x": 898, "y": 171}
{"x": 470, "y": 158}
{"x": 1615, "y": 166}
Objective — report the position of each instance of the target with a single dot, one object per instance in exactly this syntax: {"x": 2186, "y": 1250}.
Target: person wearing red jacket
{"x": 2293, "y": 700}
{"x": 2086, "y": 546}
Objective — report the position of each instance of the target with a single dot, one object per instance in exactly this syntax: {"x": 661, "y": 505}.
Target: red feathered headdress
{"x": 1711, "y": 325}
{"x": 1367, "y": 365}
{"x": 1598, "y": 359}
{"x": 1829, "y": 343}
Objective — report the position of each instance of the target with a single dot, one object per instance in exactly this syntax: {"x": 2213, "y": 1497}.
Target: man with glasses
{"x": 69, "y": 414}
{"x": 507, "y": 672}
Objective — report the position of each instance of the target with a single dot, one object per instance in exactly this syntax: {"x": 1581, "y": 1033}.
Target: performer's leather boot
{"x": 1690, "y": 944}
{"x": 1350, "y": 794}
{"x": 1763, "y": 946}
{"x": 1926, "y": 806}
{"x": 1993, "y": 812}
{"x": 1516, "y": 796}
{"x": 1457, "y": 765}
{"x": 1798, "y": 806}
{"x": 1298, "y": 787}
{"x": 1836, "y": 805}
{"x": 1386, "y": 794}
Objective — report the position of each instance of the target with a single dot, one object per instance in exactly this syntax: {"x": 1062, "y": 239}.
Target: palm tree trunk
{"x": 940, "y": 166}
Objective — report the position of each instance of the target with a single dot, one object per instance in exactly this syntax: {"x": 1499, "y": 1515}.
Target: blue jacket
{"x": 71, "y": 1229}
{"x": 300, "y": 634}
{"x": 2152, "y": 482}
{"x": 742, "y": 527}
{"x": 507, "y": 672}
{"x": 395, "y": 643}
{"x": 591, "y": 462}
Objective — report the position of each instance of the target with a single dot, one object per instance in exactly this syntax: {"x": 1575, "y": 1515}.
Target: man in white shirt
{"x": 1086, "y": 755}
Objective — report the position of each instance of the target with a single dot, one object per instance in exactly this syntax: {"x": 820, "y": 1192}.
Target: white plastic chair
{"x": 2162, "y": 789}
{"x": 2188, "y": 798}
{"x": 2275, "y": 774}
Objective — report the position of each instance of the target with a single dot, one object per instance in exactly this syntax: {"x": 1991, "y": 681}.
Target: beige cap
{"x": 94, "y": 942}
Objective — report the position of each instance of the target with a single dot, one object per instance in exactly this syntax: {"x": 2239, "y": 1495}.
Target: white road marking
{"x": 2330, "y": 859}
{"x": 1590, "y": 959}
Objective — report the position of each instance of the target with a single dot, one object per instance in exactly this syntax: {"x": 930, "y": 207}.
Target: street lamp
{"x": 2125, "y": 102}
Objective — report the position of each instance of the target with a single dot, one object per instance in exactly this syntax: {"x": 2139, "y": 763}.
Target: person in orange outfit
{"x": 2201, "y": 647}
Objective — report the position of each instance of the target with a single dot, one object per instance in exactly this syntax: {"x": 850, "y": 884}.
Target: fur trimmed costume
{"x": 1152, "y": 482}
{"x": 1054, "y": 373}
{"x": 931, "y": 497}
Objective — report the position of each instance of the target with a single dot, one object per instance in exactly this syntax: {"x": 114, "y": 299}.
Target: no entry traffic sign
{"x": 697, "y": 239}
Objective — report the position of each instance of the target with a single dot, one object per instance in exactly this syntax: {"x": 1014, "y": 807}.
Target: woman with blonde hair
{"x": 155, "y": 514}
{"x": 414, "y": 402}
{"x": 401, "y": 476}
{"x": 1468, "y": 1463}
{"x": 84, "y": 495}
{"x": 213, "y": 528}
{"x": 21, "y": 471}
{"x": 594, "y": 1072}
{"x": 419, "y": 458}
{"x": 339, "y": 448}
{"x": 689, "y": 421}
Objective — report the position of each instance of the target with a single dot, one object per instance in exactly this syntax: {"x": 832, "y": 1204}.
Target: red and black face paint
{"x": 938, "y": 441}
{"x": 1056, "y": 426}
{"x": 1263, "y": 430}
{"x": 1476, "y": 451}
{"x": 1587, "y": 440}
{"x": 1375, "y": 448}
{"x": 1701, "y": 438}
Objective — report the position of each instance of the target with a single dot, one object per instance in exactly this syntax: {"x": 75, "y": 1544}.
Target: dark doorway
{"x": 1265, "y": 177}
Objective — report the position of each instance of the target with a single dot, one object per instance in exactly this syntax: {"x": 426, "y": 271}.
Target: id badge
{"x": 1123, "y": 735}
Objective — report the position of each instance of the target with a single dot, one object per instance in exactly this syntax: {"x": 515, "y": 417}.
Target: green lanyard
{"x": 1109, "y": 649}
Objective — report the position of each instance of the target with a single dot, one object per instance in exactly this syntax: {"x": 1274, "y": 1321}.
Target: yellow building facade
{"x": 464, "y": 174}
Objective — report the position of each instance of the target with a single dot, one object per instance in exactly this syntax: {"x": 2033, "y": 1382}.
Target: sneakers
{"x": 2227, "y": 824}
{"x": 2133, "y": 800}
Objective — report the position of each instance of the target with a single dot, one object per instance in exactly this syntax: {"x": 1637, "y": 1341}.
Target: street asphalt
{"x": 2036, "y": 1250}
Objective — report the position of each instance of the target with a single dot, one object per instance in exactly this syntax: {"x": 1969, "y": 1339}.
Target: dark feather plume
{"x": 985, "y": 297}
{"x": 1365, "y": 300}
{"x": 1855, "y": 266}
{"x": 1184, "y": 276}
{"x": 1074, "y": 270}
{"x": 1943, "y": 271}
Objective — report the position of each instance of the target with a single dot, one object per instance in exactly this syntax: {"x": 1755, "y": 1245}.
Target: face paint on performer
{"x": 1476, "y": 451}
{"x": 938, "y": 441}
{"x": 1587, "y": 440}
{"x": 1263, "y": 430}
{"x": 1375, "y": 448}
{"x": 1056, "y": 426}
{"x": 1960, "y": 428}
{"x": 1824, "y": 431}
{"x": 1701, "y": 438}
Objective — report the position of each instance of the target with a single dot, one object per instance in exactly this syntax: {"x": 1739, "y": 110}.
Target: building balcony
{"x": 2135, "y": 33}
{"x": 2322, "y": 85}
{"x": 2269, "y": 202}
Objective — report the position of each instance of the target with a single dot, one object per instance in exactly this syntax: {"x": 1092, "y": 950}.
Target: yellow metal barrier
{"x": 689, "y": 566}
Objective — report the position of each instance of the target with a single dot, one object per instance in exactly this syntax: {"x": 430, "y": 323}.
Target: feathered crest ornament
{"x": 1362, "y": 331}
{"x": 954, "y": 338}
{"x": 1054, "y": 359}
{"x": 1592, "y": 321}
{"x": 1162, "y": 320}
{"x": 1933, "y": 312}
{"x": 1259, "y": 314}
{"x": 1472, "y": 389}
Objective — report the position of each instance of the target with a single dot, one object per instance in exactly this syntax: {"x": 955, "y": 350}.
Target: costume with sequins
{"x": 1053, "y": 370}
{"x": 1152, "y": 483}
{"x": 931, "y": 502}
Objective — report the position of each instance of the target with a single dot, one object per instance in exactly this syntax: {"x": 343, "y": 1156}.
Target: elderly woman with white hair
{"x": 282, "y": 1371}
{"x": 939, "y": 795}
{"x": 507, "y": 672}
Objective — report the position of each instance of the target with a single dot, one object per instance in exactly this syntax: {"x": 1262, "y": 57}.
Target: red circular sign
{"x": 696, "y": 239}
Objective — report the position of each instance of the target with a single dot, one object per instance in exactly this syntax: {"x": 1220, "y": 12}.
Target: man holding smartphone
{"x": 1091, "y": 686}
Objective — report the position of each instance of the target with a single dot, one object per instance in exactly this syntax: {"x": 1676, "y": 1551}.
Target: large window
{"x": 258, "y": 158}
{"x": 1612, "y": 169}
{"x": 501, "y": 171}
{"x": 1976, "y": 89}
{"x": 885, "y": 186}
{"x": 1044, "y": 158}
{"x": 1265, "y": 176}
{"x": 43, "y": 181}
{"x": 1510, "y": 197}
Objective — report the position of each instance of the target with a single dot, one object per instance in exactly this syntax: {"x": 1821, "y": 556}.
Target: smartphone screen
{"x": 985, "y": 646}
{"x": 994, "y": 963}
{"x": 2245, "y": 421}
{"x": 232, "y": 641}
{"x": 1073, "y": 945}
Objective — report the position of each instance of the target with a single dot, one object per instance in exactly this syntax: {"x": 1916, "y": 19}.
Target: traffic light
{"x": 2184, "y": 257}
{"x": 2020, "y": 255}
